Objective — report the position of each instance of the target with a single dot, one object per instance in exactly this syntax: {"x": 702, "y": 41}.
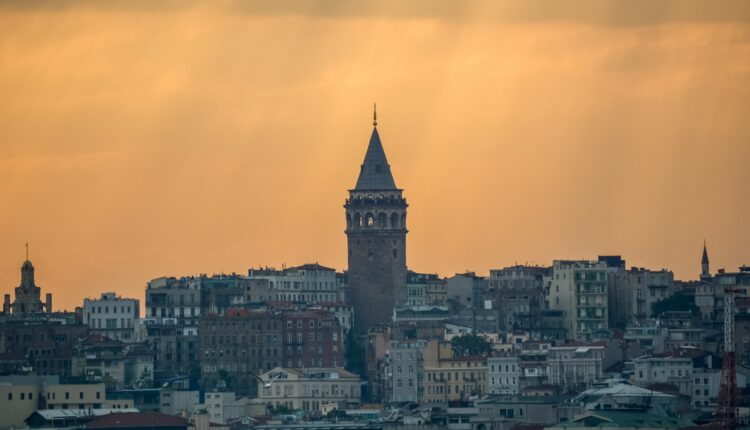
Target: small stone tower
{"x": 376, "y": 234}
{"x": 28, "y": 295}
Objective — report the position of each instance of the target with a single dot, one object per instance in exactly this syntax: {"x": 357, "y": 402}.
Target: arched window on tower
{"x": 403, "y": 220}
{"x": 369, "y": 220}
{"x": 357, "y": 220}
{"x": 394, "y": 220}
{"x": 348, "y": 221}
{"x": 382, "y": 220}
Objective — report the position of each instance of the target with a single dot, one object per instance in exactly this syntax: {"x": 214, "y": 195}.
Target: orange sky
{"x": 138, "y": 141}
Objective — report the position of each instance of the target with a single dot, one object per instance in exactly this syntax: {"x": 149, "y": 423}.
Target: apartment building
{"x": 576, "y": 366}
{"x": 579, "y": 288}
{"x": 309, "y": 389}
{"x": 455, "y": 379}
{"x": 112, "y": 316}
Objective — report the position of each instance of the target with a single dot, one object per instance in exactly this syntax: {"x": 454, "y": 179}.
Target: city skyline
{"x": 228, "y": 153}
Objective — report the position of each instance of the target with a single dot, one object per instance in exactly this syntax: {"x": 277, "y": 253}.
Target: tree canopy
{"x": 676, "y": 302}
{"x": 470, "y": 344}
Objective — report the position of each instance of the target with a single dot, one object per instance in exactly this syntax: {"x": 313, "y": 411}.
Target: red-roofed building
{"x": 138, "y": 421}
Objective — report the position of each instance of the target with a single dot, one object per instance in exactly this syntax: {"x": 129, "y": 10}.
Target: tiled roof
{"x": 312, "y": 266}
{"x": 140, "y": 419}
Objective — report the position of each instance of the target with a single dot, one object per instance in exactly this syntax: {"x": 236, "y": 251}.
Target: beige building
{"x": 75, "y": 396}
{"x": 309, "y": 389}
{"x": 20, "y": 396}
{"x": 455, "y": 379}
{"x": 17, "y": 402}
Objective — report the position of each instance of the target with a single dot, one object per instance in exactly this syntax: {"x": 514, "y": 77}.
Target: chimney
{"x": 6, "y": 304}
{"x": 49, "y": 303}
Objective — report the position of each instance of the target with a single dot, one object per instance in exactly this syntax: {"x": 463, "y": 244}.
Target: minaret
{"x": 376, "y": 236}
{"x": 705, "y": 273}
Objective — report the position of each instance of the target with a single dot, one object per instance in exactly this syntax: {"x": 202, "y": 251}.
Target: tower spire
{"x": 374, "y": 114}
{"x": 27, "y": 251}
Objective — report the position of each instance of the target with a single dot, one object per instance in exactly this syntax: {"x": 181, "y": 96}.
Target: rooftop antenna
{"x": 374, "y": 114}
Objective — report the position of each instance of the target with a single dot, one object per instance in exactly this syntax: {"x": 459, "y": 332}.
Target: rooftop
{"x": 138, "y": 419}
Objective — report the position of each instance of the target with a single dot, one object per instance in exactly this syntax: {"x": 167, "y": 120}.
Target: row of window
{"x": 105, "y": 309}
{"x": 446, "y": 376}
{"x": 508, "y": 367}
{"x": 50, "y": 395}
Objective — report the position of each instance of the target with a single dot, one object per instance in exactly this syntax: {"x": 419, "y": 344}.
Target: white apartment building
{"x": 404, "y": 371}
{"x": 575, "y": 366}
{"x": 579, "y": 289}
{"x": 673, "y": 367}
{"x": 503, "y": 375}
{"x": 310, "y": 283}
{"x": 309, "y": 389}
{"x": 112, "y": 316}
{"x": 222, "y": 407}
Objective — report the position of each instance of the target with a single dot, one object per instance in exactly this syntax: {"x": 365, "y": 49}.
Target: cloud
{"x": 593, "y": 12}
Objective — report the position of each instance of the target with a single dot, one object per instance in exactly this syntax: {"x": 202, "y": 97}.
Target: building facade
{"x": 309, "y": 389}
{"x": 577, "y": 366}
{"x": 632, "y": 294}
{"x": 503, "y": 375}
{"x": 113, "y": 317}
{"x": 579, "y": 289}
{"x": 404, "y": 371}
{"x": 308, "y": 283}
{"x": 312, "y": 339}
{"x": 455, "y": 379}
{"x": 238, "y": 347}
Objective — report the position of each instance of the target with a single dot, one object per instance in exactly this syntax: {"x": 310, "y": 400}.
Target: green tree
{"x": 470, "y": 344}
{"x": 676, "y": 302}
{"x": 281, "y": 410}
{"x": 355, "y": 355}
{"x": 194, "y": 376}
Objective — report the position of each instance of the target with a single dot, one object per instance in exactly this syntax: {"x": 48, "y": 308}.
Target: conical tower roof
{"x": 375, "y": 174}
{"x": 704, "y": 260}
